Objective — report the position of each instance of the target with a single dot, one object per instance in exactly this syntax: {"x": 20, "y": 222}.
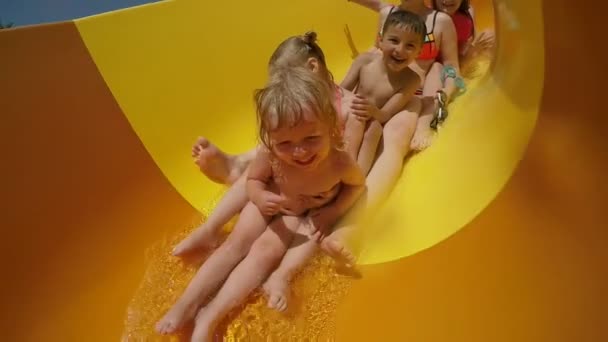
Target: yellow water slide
{"x": 495, "y": 233}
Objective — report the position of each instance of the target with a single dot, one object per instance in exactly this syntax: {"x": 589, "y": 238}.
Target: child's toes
{"x": 282, "y": 306}
{"x": 273, "y": 301}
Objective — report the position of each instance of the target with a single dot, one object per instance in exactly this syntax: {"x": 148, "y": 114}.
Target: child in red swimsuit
{"x": 470, "y": 45}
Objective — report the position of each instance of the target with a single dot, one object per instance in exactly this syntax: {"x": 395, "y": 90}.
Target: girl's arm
{"x": 449, "y": 51}
{"x": 478, "y": 44}
{"x": 258, "y": 178}
{"x": 374, "y": 5}
{"x": 381, "y": 7}
{"x": 482, "y": 44}
{"x": 259, "y": 173}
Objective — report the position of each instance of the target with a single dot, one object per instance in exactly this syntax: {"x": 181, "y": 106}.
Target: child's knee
{"x": 266, "y": 252}
{"x": 399, "y": 131}
{"x": 264, "y": 258}
{"x": 237, "y": 247}
{"x": 414, "y": 105}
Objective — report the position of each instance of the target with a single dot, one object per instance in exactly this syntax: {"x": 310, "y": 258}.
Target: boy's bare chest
{"x": 376, "y": 85}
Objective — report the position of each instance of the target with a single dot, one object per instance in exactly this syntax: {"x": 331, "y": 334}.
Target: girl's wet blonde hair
{"x": 289, "y": 94}
{"x": 295, "y": 52}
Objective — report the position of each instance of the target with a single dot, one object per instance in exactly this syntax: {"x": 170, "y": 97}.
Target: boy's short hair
{"x": 408, "y": 20}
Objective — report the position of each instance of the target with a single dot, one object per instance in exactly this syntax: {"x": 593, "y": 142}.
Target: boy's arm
{"x": 351, "y": 79}
{"x": 398, "y": 101}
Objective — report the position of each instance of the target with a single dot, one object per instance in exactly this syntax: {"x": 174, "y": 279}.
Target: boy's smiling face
{"x": 400, "y": 47}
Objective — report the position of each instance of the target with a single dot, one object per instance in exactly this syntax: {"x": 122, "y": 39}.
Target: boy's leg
{"x": 206, "y": 236}
{"x": 369, "y": 146}
{"x": 263, "y": 257}
{"x": 397, "y": 135}
{"x": 250, "y": 226}
{"x": 218, "y": 165}
{"x": 336, "y": 246}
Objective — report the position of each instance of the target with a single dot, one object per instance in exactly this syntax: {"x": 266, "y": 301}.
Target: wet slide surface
{"x": 85, "y": 197}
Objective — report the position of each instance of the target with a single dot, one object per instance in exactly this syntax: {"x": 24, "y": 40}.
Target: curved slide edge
{"x": 83, "y": 198}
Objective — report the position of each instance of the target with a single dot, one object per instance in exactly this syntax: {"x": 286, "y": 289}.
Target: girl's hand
{"x": 268, "y": 202}
{"x": 483, "y": 43}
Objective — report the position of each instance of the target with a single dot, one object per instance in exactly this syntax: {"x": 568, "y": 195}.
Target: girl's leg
{"x": 424, "y": 133}
{"x": 263, "y": 257}
{"x": 218, "y": 165}
{"x": 250, "y": 226}
{"x": 369, "y": 146}
{"x": 206, "y": 236}
{"x": 300, "y": 251}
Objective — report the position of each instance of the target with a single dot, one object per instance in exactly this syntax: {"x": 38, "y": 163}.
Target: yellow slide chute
{"x": 194, "y": 74}
{"x": 102, "y": 111}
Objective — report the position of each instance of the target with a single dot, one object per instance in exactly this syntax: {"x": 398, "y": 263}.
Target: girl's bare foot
{"x": 216, "y": 164}
{"x": 422, "y": 139}
{"x": 276, "y": 288}
{"x": 176, "y": 318}
{"x": 203, "y": 327}
{"x": 335, "y": 248}
{"x": 202, "y": 238}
